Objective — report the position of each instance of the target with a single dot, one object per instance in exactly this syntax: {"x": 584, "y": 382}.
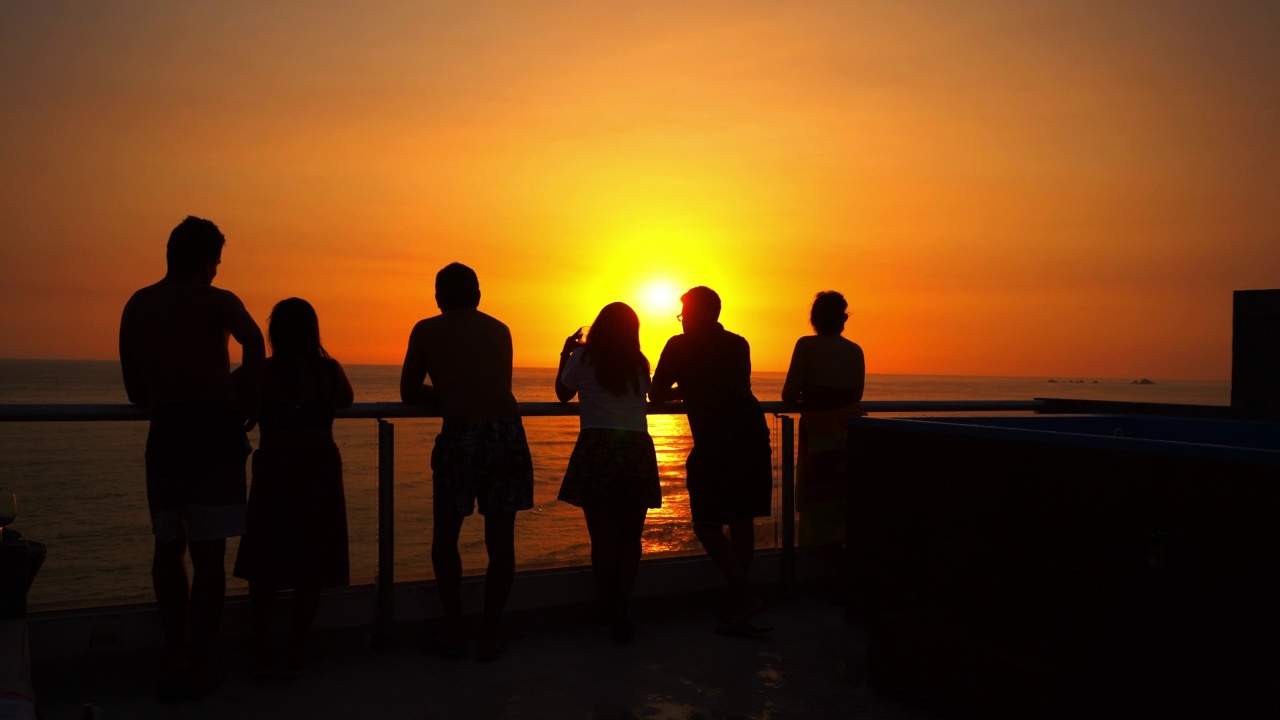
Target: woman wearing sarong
{"x": 826, "y": 377}
{"x": 296, "y": 529}
{"x": 613, "y": 471}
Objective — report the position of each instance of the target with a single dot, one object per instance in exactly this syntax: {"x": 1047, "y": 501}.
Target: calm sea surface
{"x": 80, "y": 485}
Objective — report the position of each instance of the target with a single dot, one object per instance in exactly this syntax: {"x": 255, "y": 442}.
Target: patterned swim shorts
{"x": 484, "y": 462}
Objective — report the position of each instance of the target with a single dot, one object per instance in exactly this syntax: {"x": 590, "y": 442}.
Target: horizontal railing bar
{"x": 71, "y": 413}
{"x": 51, "y": 412}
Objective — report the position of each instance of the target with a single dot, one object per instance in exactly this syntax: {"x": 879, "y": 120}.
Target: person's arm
{"x": 661, "y": 388}
{"x": 740, "y": 366}
{"x": 793, "y": 386}
{"x": 134, "y": 384}
{"x": 253, "y": 356}
{"x": 564, "y": 390}
{"x": 860, "y": 371}
{"x": 345, "y": 394}
{"x": 413, "y": 373}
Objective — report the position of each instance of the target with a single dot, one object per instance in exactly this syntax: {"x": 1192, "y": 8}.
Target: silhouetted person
{"x": 826, "y": 376}
{"x": 613, "y": 471}
{"x": 729, "y": 473}
{"x": 296, "y": 531}
{"x": 481, "y": 454}
{"x": 173, "y": 353}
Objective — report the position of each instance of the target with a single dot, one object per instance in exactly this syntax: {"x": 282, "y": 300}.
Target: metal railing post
{"x": 788, "y": 563}
{"x": 385, "y": 613}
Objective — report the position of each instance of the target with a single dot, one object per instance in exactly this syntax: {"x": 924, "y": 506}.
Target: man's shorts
{"x": 729, "y": 483}
{"x": 488, "y": 462}
{"x": 196, "y": 479}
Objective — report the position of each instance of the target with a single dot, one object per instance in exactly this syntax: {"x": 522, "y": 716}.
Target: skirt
{"x": 612, "y": 466}
{"x": 296, "y": 532}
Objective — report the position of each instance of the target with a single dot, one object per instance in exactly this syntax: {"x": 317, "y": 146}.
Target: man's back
{"x": 173, "y": 343}
{"x": 713, "y": 370}
{"x": 712, "y": 367}
{"x": 468, "y": 356}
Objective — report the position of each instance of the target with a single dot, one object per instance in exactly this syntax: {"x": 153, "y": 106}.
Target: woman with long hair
{"x": 826, "y": 376}
{"x": 296, "y": 528}
{"x": 613, "y": 471}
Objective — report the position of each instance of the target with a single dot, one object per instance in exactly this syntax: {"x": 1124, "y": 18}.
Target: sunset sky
{"x": 999, "y": 188}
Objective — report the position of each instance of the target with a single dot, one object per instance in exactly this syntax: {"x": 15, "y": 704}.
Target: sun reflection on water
{"x": 667, "y": 528}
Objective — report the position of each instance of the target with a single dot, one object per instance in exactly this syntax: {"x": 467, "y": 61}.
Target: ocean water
{"x": 81, "y": 492}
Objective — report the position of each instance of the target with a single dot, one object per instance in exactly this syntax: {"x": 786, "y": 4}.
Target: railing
{"x": 393, "y": 410}
{"x": 383, "y": 411}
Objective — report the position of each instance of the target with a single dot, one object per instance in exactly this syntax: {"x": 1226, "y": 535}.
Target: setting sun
{"x": 1021, "y": 190}
{"x": 659, "y": 296}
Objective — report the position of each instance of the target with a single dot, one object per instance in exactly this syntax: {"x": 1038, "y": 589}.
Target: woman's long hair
{"x": 613, "y": 349}
{"x": 293, "y": 329}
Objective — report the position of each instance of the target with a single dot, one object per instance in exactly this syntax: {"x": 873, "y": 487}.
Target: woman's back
{"x": 600, "y": 408}
{"x": 302, "y": 395}
{"x": 827, "y": 370}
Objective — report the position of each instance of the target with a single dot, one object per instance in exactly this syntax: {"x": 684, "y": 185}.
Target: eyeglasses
{"x": 680, "y": 317}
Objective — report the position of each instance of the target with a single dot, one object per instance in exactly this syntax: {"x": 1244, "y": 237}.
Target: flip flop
{"x": 498, "y": 650}
{"x": 743, "y": 629}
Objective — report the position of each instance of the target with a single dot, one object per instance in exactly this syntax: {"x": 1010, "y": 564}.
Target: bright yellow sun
{"x": 659, "y": 297}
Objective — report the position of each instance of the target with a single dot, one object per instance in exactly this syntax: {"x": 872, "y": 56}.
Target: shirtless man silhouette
{"x": 481, "y": 454}
{"x": 173, "y": 353}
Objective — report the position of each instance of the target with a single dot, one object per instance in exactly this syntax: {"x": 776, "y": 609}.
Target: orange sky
{"x": 1000, "y": 188}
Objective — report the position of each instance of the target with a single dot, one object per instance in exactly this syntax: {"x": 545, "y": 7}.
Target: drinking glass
{"x": 8, "y": 510}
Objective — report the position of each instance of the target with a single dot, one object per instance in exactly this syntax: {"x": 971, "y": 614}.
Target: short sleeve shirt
{"x": 600, "y": 408}
{"x": 713, "y": 370}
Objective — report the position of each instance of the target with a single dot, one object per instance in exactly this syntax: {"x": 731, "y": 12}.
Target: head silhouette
{"x": 294, "y": 331}
{"x": 195, "y": 246}
{"x": 613, "y": 349}
{"x": 457, "y": 287}
{"x": 828, "y": 314}
{"x": 701, "y": 308}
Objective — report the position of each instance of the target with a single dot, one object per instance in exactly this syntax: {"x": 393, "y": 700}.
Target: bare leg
{"x": 169, "y": 578}
{"x": 615, "y": 556}
{"x": 743, "y": 535}
{"x": 602, "y": 526}
{"x": 306, "y": 601}
{"x": 499, "y": 541}
{"x": 208, "y": 591}
{"x": 262, "y": 600}
{"x": 630, "y": 547}
{"x": 723, "y": 552}
{"x": 447, "y": 563}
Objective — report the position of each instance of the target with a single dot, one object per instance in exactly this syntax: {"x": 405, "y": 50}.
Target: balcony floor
{"x": 560, "y": 664}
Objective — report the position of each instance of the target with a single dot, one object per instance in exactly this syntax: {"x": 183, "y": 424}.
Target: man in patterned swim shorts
{"x": 481, "y": 455}
{"x": 173, "y": 353}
